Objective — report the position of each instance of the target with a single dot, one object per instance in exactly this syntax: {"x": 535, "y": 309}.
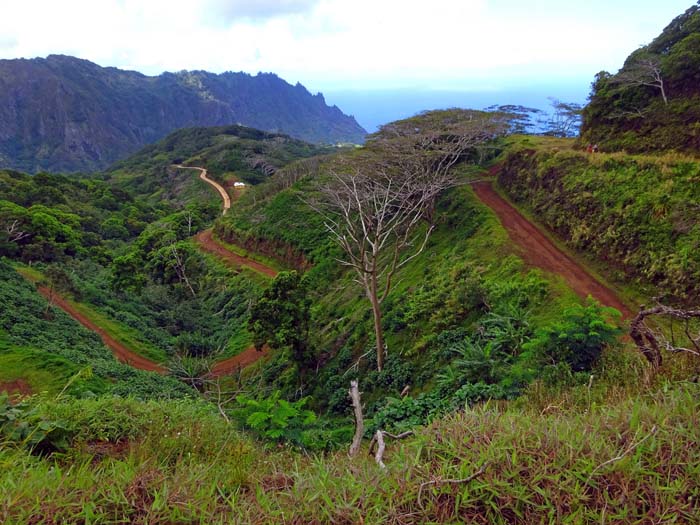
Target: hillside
{"x": 653, "y": 102}
{"x": 120, "y": 249}
{"x": 524, "y": 402}
{"x": 635, "y": 214}
{"x": 228, "y": 153}
{"x": 66, "y": 114}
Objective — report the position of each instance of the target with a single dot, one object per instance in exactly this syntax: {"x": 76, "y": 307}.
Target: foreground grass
{"x": 636, "y": 461}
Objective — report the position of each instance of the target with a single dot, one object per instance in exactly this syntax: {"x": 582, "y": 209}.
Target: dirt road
{"x": 222, "y": 191}
{"x": 121, "y": 352}
{"x": 234, "y": 364}
{"x": 539, "y": 251}
{"x": 125, "y": 355}
{"x": 207, "y": 242}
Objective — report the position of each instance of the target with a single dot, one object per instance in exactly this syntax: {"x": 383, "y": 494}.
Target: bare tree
{"x": 565, "y": 119}
{"x": 645, "y": 71}
{"x": 375, "y": 209}
{"x": 15, "y": 232}
{"x": 651, "y": 341}
{"x": 180, "y": 268}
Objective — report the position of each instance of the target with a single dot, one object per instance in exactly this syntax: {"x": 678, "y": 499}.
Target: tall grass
{"x": 632, "y": 461}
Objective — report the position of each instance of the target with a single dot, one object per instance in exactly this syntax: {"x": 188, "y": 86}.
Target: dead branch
{"x": 378, "y": 440}
{"x": 629, "y": 449}
{"x": 14, "y": 232}
{"x": 359, "y": 420}
{"x": 440, "y": 481}
{"x": 643, "y": 72}
{"x": 181, "y": 269}
{"x": 651, "y": 342}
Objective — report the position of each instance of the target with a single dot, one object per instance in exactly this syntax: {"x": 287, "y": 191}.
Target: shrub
{"x": 577, "y": 339}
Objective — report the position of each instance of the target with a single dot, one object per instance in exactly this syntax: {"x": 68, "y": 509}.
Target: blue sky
{"x": 346, "y": 47}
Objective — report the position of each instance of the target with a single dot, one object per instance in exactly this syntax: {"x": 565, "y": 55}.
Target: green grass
{"x": 633, "y": 214}
{"x": 634, "y": 460}
{"x": 118, "y": 331}
{"x": 29, "y": 273}
{"x": 630, "y": 294}
{"x": 45, "y": 373}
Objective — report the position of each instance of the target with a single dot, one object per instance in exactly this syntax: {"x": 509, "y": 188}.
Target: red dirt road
{"x": 128, "y": 356}
{"x": 539, "y": 251}
{"x": 234, "y": 364}
{"x": 121, "y": 352}
{"x": 207, "y": 242}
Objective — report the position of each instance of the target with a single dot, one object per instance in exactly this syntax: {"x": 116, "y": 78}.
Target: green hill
{"x": 62, "y": 113}
{"x": 653, "y": 102}
{"x": 522, "y": 402}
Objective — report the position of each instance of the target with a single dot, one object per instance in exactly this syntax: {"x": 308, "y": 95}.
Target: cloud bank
{"x": 344, "y": 44}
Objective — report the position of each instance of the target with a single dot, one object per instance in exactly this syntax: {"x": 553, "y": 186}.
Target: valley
{"x": 473, "y": 316}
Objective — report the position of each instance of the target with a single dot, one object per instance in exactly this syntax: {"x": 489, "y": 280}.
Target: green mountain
{"x": 653, "y": 102}
{"x": 66, "y": 114}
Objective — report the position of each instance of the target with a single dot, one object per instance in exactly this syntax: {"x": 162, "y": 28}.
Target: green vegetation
{"x": 466, "y": 289}
{"x": 636, "y": 213}
{"x": 252, "y": 155}
{"x": 43, "y": 346}
{"x": 653, "y": 102}
{"x": 579, "y": 458}
{"x": 509, "y": 381}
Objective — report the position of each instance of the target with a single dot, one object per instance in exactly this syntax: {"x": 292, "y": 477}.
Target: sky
{"x": 349, "y": 49}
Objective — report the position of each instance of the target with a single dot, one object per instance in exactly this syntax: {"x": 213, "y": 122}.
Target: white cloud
{"x": 342, "y": 43}
{"x": 223, "y": 12}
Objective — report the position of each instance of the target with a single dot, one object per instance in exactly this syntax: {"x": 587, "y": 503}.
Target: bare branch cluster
{"x": 374, "y": 208}
{"x": 652, "y": 341}
{"x": 14, "y": 231}
{"x": 181, "y": 268}
{"x": 645, "y": 71}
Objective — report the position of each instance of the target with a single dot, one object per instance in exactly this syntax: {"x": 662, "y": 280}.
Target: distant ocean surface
{"x": 373, "y": 108}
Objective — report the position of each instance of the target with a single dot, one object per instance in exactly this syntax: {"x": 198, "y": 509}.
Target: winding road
{"x": 209, "y": 244}
{"x": 222, "y": 191}
{"x": 534, "y": 246}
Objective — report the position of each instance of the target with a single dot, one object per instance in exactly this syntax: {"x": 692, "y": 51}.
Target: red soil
{"x": 121, "y": 352}
{"x": 16, "y": 388}
{"x": 538, "y": 250}
{"x": 209, "y": 244}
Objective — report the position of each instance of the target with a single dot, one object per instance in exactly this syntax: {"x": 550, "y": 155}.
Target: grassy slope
{"x": 630, "y": 462}
{"x": 633, "y": 216}
{"x": 48, "y": 349}
{"x": 467, "y": 261}
{"x": 126, "y": 335}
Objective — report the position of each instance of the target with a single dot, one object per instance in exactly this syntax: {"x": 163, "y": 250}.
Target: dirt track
{"x": 121, "y": 352}
{"x": 222, "y": 191}
{"x": 207, "y": 242}
{"x": 538, "y": 250}
{"x": 125, "y": 355}
{"x": 247, "y": 357}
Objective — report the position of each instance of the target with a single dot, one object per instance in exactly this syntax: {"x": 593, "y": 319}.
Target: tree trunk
{"x": 663, "y": 92}
{"x": 377, "y": 311}
{"x": 359, "y": 420}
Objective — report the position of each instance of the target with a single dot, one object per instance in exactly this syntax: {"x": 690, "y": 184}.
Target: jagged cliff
{"x": 65, "y": 114}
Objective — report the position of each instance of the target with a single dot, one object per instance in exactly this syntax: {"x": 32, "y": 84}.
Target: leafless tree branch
{"x": 650, "y": 342}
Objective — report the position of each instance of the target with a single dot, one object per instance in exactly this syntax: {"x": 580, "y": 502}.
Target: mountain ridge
{"x": 91, "y": 116}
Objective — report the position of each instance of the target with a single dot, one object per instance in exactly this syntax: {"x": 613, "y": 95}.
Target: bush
{"x": 577, "y": 339}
